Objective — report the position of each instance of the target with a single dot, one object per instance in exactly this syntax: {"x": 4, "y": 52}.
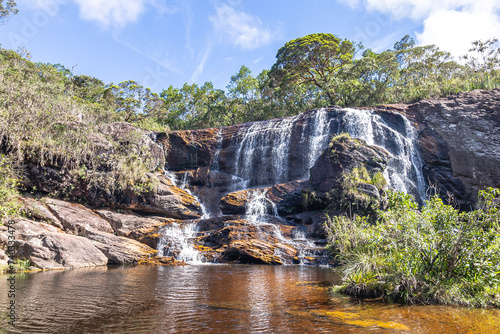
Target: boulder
{"x": 233, "y": 239}
{"x": 287, "y": 196}
{"x": 235, "y": 203}
{"x": 47, "y": 247}
{"x": 345, "y": 177}
{"x": 119, "y": 250}
{"x": 76, "y": 218}
{"x": 130, "y": 225}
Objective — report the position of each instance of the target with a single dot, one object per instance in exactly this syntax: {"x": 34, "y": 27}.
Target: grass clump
{"x": 19, "y": 265}
{"x": 433, "y": 255}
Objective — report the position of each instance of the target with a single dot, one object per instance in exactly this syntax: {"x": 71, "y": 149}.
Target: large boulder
{"x": 347, "y": 176}
{"x": 47, "y": 247}
{"x": 119, "y": 250}
{"x": 235, "y": 239}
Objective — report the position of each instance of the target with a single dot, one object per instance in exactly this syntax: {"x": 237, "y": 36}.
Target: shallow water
{"x": 216, "y": 299}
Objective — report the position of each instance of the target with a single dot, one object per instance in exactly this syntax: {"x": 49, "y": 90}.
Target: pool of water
{"x": 216, "y": 299}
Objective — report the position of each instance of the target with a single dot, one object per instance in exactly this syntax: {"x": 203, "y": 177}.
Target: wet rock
{"x": 130, "y": 225}
{"x": 119, "y": 250}
{"x": 460, "y": 143}
{"x": 235, "y": 203}
{"x": 287, "y": 196}
{"x": 233, "y": 239}
{"x": 340, "y": 178}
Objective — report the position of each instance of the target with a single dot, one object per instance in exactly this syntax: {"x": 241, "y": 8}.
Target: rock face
{"x": 460, "y": 142}
{"x": 131, "y": 225}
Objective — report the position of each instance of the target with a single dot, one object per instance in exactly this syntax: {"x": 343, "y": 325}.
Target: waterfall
{"x": 404, "y": 171}
{"x": 283, "y": 150}
{"x": 317, "y": 141}
{"x": 261, "y": 157}
{"x": 258, "y": 206}
{"x": 177, "y": 239}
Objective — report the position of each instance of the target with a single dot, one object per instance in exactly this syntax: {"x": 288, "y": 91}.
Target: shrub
{"x": 436, "y": 255}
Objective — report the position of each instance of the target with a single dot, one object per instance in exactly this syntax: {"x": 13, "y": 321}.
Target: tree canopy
{"x": 7, "y": 9}
{"x": 316, "y": 59}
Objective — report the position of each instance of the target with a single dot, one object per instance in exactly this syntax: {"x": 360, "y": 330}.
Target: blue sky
{"x": 170, "y": 42}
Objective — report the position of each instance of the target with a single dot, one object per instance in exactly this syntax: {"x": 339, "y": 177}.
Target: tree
{"x": 7, "y": 8}
{"x": 314, "y": 59}
{"x": 134, "y": 102}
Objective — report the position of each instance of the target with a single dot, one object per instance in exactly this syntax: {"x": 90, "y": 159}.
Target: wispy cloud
{"x": 450, "y": 24}
{"x": 241, "y": 29}
{"x": 117, "y": 13}
{"x": 201, "y": 66}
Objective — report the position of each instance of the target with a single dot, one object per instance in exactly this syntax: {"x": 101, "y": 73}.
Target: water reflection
{"x": 217, "y": 299}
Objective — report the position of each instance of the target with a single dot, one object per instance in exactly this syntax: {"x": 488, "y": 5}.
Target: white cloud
{"x": 454, "y": 31}
{"x": 450, "y": 24}
{"x": 244, "y": 30}
{"x": 111, "y": 12}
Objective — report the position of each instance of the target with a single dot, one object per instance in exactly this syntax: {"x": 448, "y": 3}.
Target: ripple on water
{"x": 218, "y": 299}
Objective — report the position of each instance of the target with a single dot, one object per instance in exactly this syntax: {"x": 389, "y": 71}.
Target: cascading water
{"x": 258, "y": 208}
{"x": 317, "y": 141}
{"x": 262, "y": 153}
{"x": 177, "y": 239}
{"x": 404, "y": 171}
{"x": 284, "y": 150}
{"x": 262, "y": 156}
{"x": 215, "y": 161}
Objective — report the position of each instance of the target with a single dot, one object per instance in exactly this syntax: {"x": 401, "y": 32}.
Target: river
{"x": 217, "y": 299}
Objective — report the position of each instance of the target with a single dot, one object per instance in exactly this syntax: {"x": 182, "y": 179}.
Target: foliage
{"x": 7, "y": 8}
{"x": 9, "y": 205}
{"x": 436, "y": 255}
{"x": 314, "y": 59}
{"x": 50, "y": 118}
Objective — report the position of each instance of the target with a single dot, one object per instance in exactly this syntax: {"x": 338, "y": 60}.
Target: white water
{"x": 215, "y": 162}
{"x": 404, "y": 171}
{"x": 178, "y": 241}
{"x": 177, "y": 238}
{"x": 318, "y": 140}
{"x": 262, "y": 155}
{"x": 257, "y": 209}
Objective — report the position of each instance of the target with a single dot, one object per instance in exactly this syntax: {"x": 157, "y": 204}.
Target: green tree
{"x": 367, "y": 82}
{"x": 483, "y": 62}
{"x": 134, "y": 102}
{"x": 314, "y": 59}
{"x": 7, "y": 9}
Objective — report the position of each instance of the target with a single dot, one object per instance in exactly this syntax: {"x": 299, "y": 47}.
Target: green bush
{"x": 433, "y": 255}
{"x": 9, "y": 205}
